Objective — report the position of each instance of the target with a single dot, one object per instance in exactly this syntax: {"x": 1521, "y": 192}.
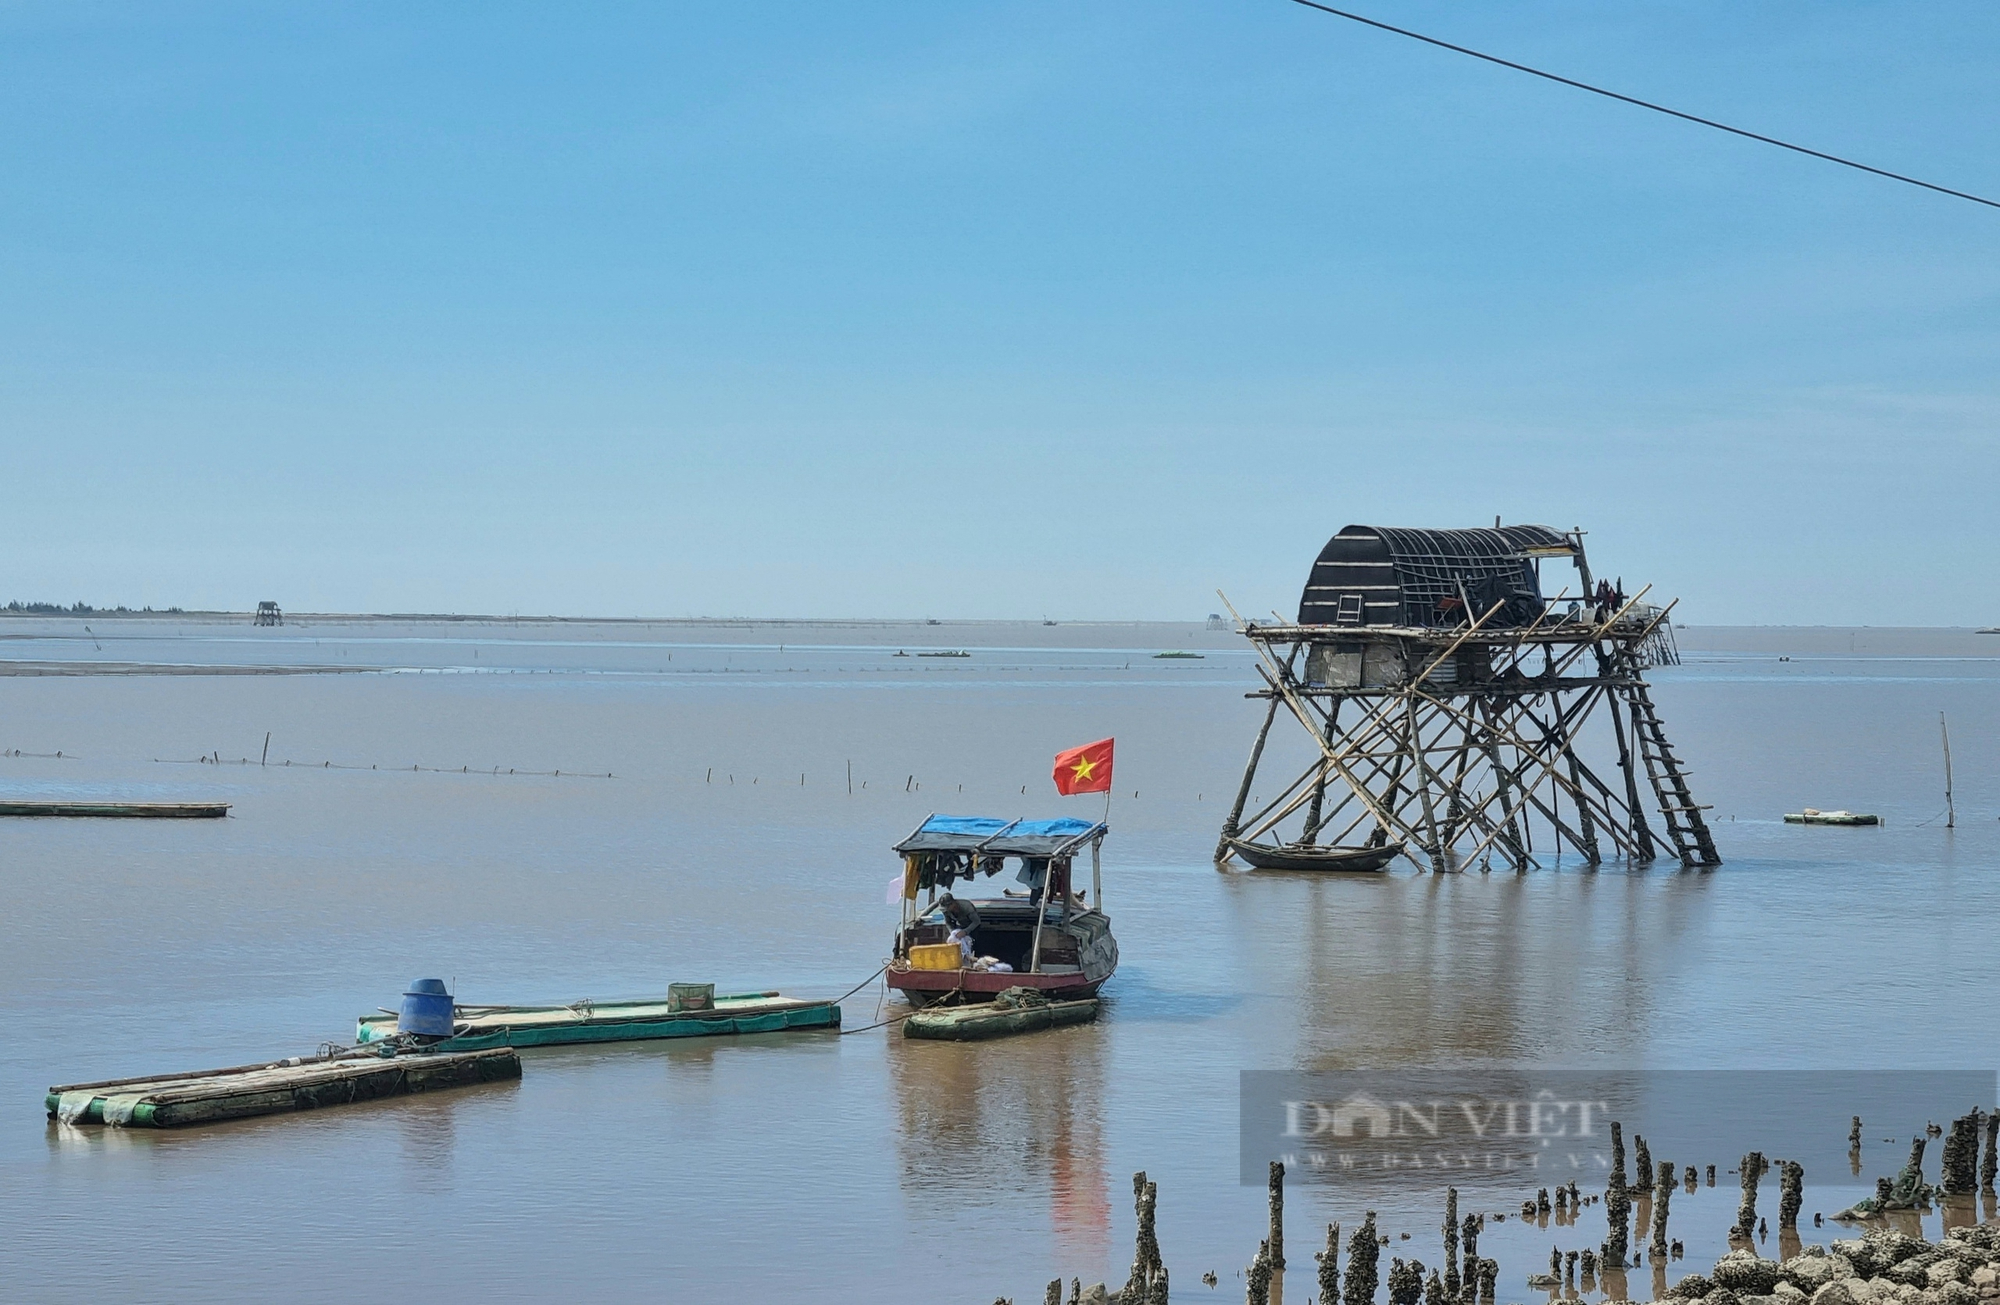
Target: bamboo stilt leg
{"x": 1229, "y": 826}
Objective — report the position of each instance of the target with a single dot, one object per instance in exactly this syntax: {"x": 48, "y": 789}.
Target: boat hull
{"x": 1264, "y": 856}
{"x": 1078, "y": 953}
{"x": 926, "y": 987}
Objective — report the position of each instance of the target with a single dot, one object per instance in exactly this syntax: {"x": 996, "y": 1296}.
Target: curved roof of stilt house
{"x": 1395, "y": 575}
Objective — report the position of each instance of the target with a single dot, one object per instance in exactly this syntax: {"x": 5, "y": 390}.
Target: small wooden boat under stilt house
{"x": 1044, "y": 935}
{"x": 689, "y": 1010}
{"x": 1311, "y": 856}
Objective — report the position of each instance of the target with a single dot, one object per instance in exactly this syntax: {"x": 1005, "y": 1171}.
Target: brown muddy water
{"x": 727, "y": 847}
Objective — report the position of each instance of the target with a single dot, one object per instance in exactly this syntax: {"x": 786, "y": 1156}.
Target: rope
{"x": 893, "y": 1019}
{"x": 336, "y": 765}
{"x": 859, "y": 986}
{"x": 393, "y": 1045}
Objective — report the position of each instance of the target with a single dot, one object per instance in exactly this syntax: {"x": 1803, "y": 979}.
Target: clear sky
{"x": 994, "y": 310}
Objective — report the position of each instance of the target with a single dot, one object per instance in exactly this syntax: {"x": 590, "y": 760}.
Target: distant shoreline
{"x": 804, "y": 622}
{"x": 456, "y": 618}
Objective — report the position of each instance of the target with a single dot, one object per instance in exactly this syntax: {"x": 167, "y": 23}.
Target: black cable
{"x": 1644, "y": 104}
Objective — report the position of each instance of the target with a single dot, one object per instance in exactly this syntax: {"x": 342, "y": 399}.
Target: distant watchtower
{"x": 268, "y": 614}
{"x": 1451, "y": 705}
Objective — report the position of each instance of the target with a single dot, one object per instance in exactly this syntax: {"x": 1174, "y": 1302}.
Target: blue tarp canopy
{"x": 993, "y": 837}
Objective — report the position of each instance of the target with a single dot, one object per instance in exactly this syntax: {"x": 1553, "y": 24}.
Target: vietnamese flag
{"x": 1084, "y": 770}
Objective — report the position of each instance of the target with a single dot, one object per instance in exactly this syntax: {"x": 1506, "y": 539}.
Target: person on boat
{"x": 959, "y": 915}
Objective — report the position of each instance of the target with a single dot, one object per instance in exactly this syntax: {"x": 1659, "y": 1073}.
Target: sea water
{"x": 408, "y": 820}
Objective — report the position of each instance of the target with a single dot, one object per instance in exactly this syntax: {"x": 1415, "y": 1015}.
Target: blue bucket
{"x": 427, "y": 1009}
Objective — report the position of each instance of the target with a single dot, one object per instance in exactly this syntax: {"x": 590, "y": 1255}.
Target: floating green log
{"x": 301, "y": 1083}
{"x": 130, "y": 810}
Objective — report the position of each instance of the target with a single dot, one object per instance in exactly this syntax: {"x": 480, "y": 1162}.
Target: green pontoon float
{"x": 689, "y": 1010}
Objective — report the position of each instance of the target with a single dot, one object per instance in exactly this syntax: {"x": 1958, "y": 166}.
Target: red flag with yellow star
{"x": 1084, "y": 770}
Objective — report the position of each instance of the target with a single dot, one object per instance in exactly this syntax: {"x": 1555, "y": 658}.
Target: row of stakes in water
{"x": 1469, "y": 1279}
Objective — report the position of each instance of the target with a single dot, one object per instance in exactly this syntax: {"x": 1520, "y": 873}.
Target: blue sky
{"x": 994, "y": 310}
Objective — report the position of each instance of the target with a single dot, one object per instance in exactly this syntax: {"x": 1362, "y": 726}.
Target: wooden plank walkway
{"x": 301, "y": 1083}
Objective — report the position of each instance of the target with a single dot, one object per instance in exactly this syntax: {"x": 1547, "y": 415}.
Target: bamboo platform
{"x": 136, "y": 810}
{"x": 481, "y": 1027}
{"x": 302, "y": 1083}
{"x": 977, "y": 1023}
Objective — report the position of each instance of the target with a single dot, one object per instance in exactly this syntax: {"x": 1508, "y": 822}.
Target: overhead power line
{"x": 1645, "y": 104}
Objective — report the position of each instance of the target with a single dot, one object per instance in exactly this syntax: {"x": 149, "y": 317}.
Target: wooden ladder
{"x": 1685, "y": 827}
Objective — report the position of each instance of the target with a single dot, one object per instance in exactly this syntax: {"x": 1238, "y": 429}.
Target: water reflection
{"x": 80, "y": 1138}
{"x": 426, "y": 1136}
{"x": 1958, "y": 1212}
{"x": 1397, "y": 971}
{"x": 1020, "y": 1117}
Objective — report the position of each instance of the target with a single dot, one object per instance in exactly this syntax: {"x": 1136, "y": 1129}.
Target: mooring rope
{"x": 893, "y": 1019}
{"x": 859, "y": 986}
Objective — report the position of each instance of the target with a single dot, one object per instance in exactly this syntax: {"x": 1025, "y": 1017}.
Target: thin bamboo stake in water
{"x": 1950, "y": 816}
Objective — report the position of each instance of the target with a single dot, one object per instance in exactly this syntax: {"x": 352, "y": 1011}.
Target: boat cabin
{"x": 989, "y": 904}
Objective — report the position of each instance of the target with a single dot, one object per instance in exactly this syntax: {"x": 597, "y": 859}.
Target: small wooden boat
{"x": 1052, "y": 939}
{"x": 1813, "y": 816}
{"x": 1018, "y": 1010}
{"x": 137, "y": 810}
{"x": 301, "y": 1083}
{"x": 476, "y": 1028}
{"x": 1309, "y": 856}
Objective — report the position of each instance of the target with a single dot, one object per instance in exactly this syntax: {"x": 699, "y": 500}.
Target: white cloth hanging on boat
{"x": 118, "y": 1110}
{"x": 71, "y": 1105}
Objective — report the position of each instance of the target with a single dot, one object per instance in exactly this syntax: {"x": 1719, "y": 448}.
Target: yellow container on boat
{"x": 936, "y": 956}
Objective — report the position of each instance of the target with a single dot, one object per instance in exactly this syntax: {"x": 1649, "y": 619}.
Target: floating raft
{"x": 476, "y": 1028}
{"x": 144, "y": 810}
{"x": 974, "y": 1023}
{"x": 302, "y": 1083}
{"x": 1812, "y": 817}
